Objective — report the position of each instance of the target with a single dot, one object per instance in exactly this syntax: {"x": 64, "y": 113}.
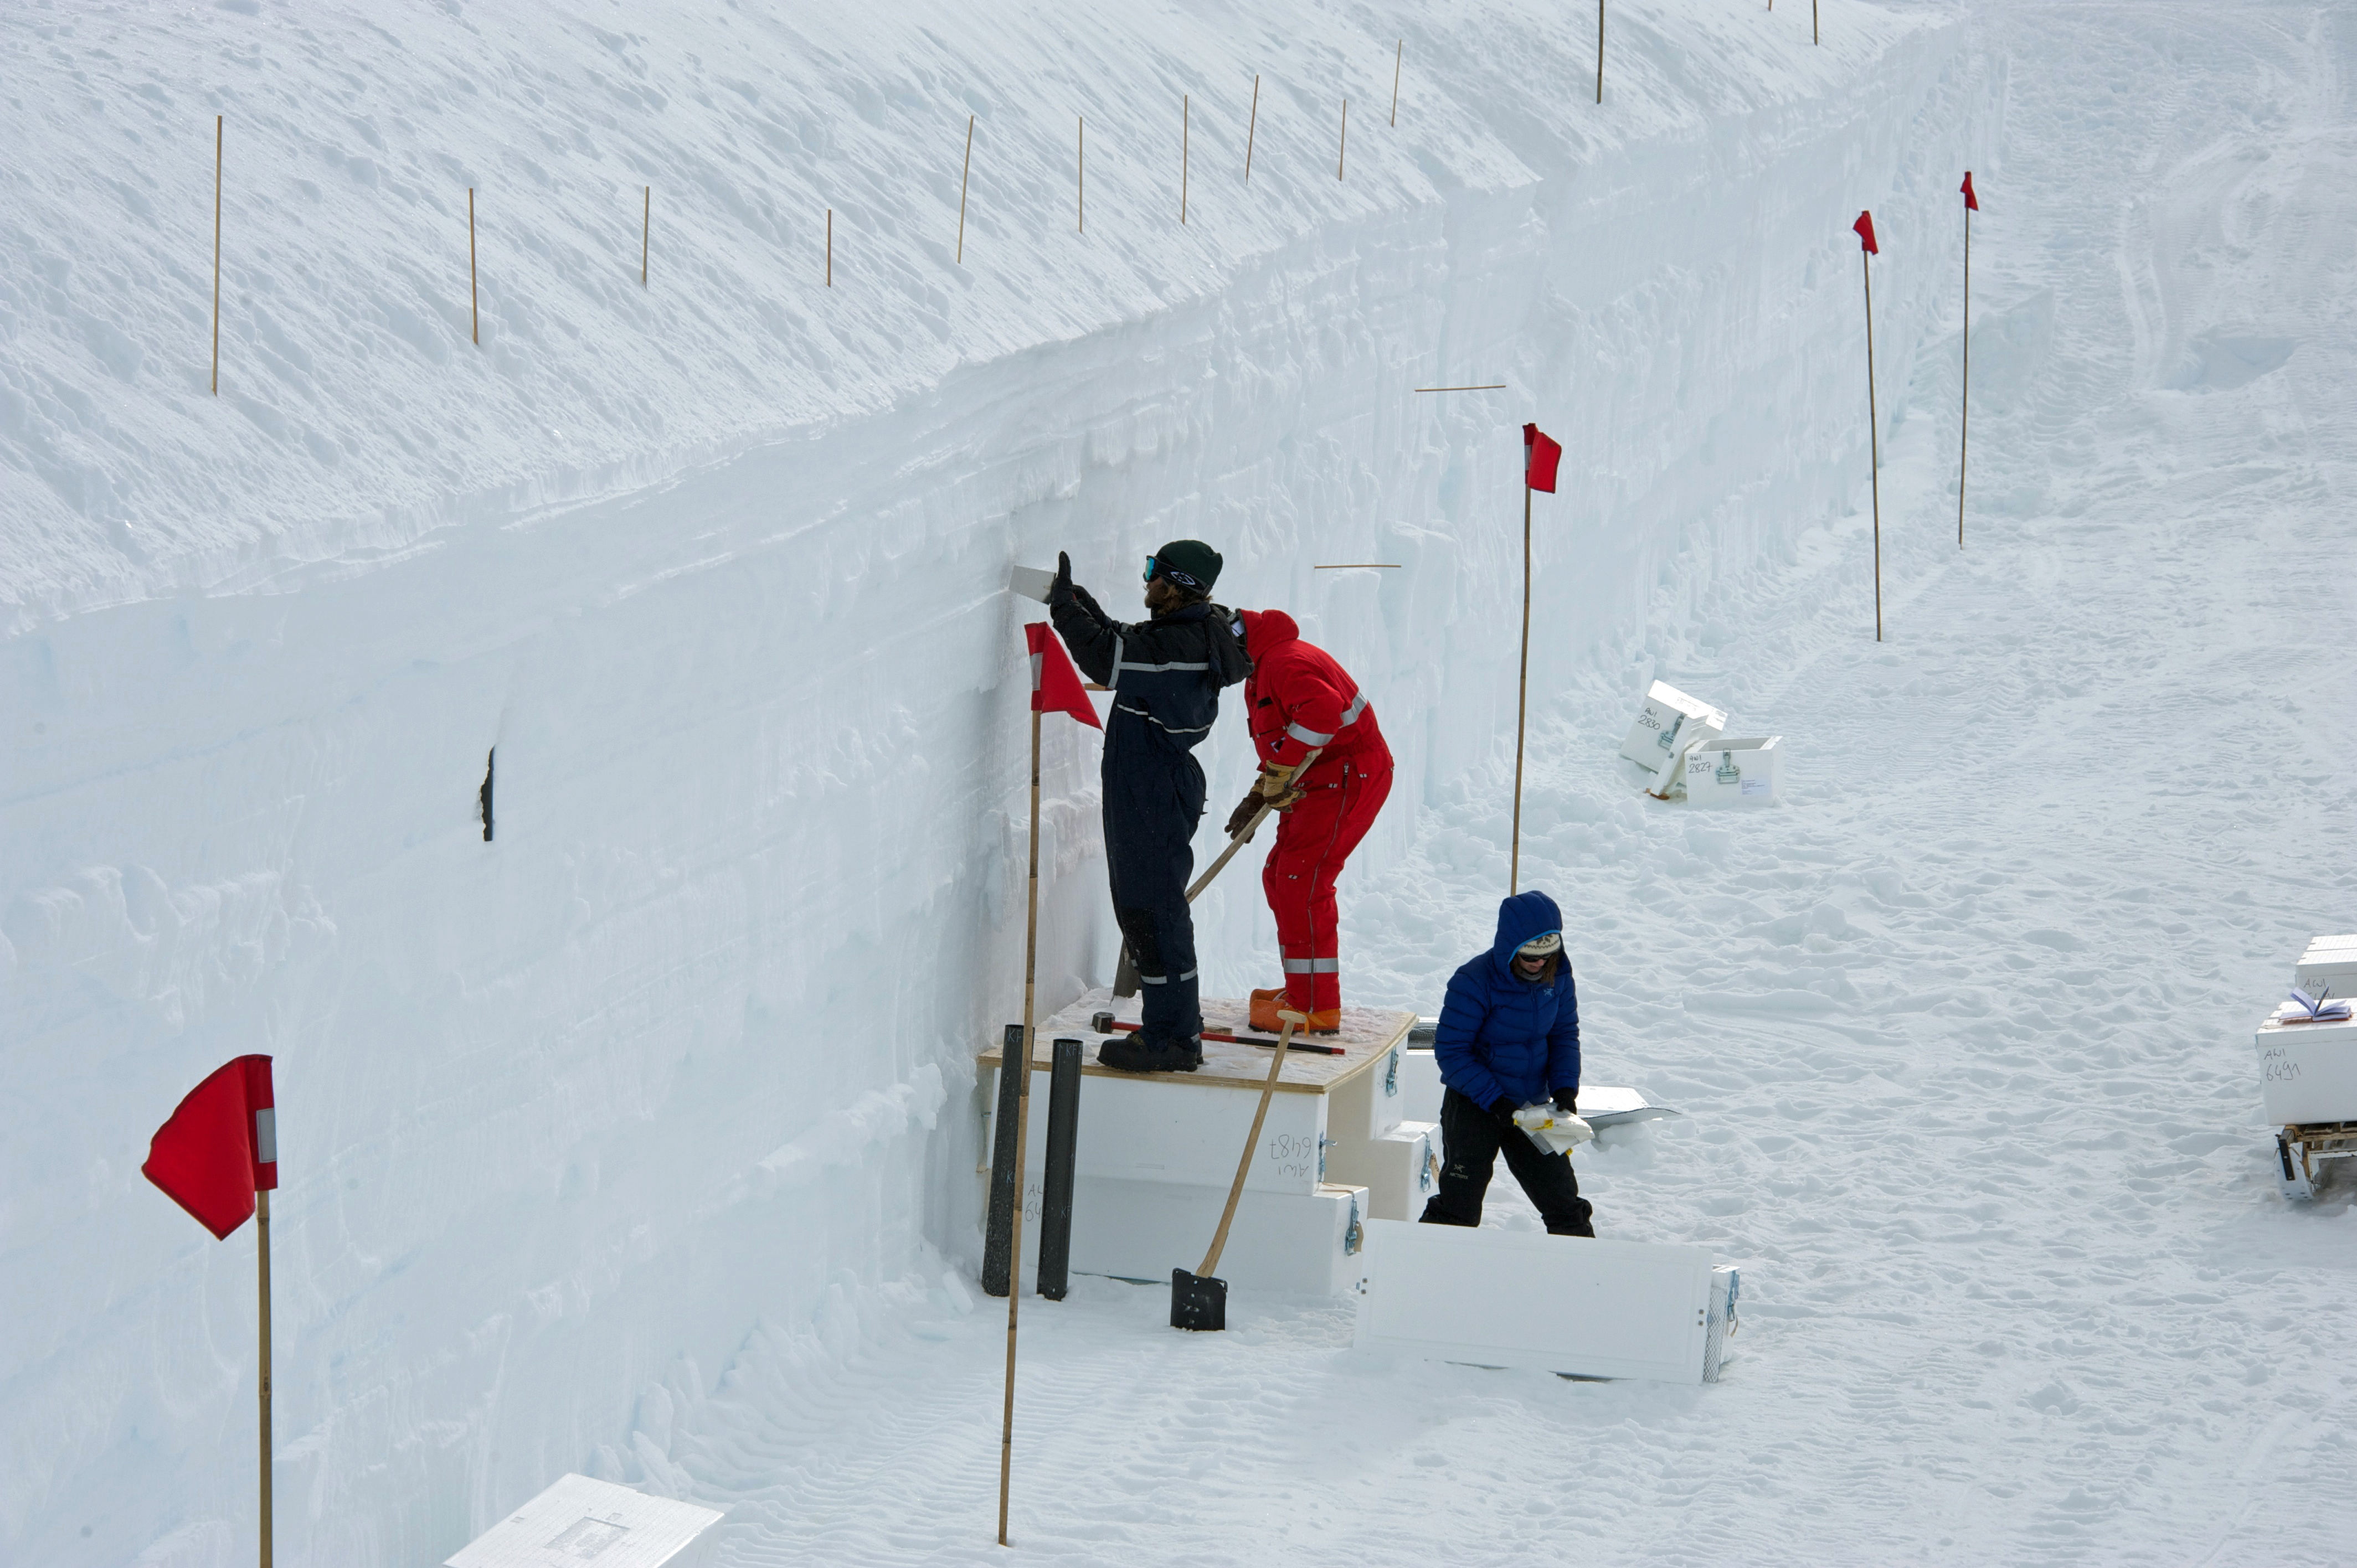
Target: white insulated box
{"x": 580, "y": 1520}
{"x": 1298, "y": 1243}
{"x": 1163, "y": 1128}
{"x": 1399, "y": 1167}
{"x": 2329, "y": 967}
{"x": 2308, "y": 1072}
{"x": 1734, "y": 771}
{"x": 1668, "y": 719}
{"x": 1368, "y": 1103}
{"x": 1554, "y": 1304}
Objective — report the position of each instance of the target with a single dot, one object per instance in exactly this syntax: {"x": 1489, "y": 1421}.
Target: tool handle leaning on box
{"x": 1236, "y": 1190}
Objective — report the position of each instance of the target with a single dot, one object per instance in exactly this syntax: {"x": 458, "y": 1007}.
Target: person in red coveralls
{"x": 1300, "y": 702}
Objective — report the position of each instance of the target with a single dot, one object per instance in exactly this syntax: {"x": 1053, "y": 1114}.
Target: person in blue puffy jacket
{"x": 1509, "y": 1037}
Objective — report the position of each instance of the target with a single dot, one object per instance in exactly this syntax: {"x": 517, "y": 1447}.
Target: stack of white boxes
{"x": 1371, "y": 1145}
{"x": 2308, "y": 1071}
{"x": 1682, "y": 745}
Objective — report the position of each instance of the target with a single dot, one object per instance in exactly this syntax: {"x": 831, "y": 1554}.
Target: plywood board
{"x": 1367, "y": 1036}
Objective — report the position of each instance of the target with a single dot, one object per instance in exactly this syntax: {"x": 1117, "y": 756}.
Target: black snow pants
{"x": 1150, "y": 815}
{"x": 1472, "y": 1139}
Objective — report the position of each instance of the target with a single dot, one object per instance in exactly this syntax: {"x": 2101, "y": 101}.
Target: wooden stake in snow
{"x": 261, "y": 1256}
{"x": 1082, "y": 165}
{"x": 1963, "y": 404}
{"x": 474, "y": 307}
{"x": 1813, "y": 37}
{"x": 1867, "y": 248}
{"x": 1186, "y": 126}
{"x": 1344, "y": 150}
{"x": 217, "y": 189}
{"x": 962, "y": 173}
{"x": 830, "y": 247}
{"x": 1252, "y": 129}
{"x": 1540, "y": 456}
{"x": 1022, "y": 1069}
{"x": 1397, "y": 58}
{"x": 646, "y": 229}
{"x": 1599, "y": 51}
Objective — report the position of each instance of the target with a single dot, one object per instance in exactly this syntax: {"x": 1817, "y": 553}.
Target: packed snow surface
{"x": 641, "y": 1140}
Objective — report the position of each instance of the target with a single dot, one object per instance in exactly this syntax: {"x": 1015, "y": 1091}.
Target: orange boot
{"x": 1265, "y": 1008}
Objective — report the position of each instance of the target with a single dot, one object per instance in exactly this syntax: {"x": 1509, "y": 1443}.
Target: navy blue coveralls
{"x": 1166, "y": 675}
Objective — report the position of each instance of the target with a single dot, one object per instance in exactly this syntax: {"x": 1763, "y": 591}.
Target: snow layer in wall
{"x": 717, "y": 566}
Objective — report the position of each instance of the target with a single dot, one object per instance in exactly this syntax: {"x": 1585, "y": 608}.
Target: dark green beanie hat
{"x": 1190, "y": 562}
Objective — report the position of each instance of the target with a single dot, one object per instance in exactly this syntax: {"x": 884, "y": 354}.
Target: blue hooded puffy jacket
{"x": 1502, "y": 1036}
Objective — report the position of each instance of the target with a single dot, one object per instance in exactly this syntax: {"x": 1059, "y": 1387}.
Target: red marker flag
{"x": 1055, "y": 685}
{"x": 1865, "y": 227}
{"x": 1540, "y": 455}
{"x": 1970, "y": 199}
{"x": 220, "y": 1147}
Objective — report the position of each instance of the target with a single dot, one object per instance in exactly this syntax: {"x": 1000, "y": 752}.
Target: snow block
{"x": 2327, "y": 967}
{"x": 2308, "y": 1072}
{"x": 1668, "y": 720}
{"x": 1399, "y": 1167}
{"x": 1734, "y": 771}
{"x": 578, "y": 1519}
{"x": 1552, "y": 1304}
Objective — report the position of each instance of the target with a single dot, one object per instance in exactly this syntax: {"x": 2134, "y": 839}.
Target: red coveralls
{"x": 1300, "y": 700}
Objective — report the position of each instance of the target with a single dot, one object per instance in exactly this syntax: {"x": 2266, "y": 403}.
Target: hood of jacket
{"x": 1265, "y": 631}
{"x": 1521, "y": 918}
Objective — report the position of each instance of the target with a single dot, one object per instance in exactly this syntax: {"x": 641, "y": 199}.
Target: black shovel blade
{"x": 1199, "y": 1302}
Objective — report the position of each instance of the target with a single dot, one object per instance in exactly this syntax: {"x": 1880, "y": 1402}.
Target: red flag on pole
{"x": 1055, "y": 685}
{"x": 1540, "y": 455}
{"x": 1865, "y": 227}
{"x": 220, "y": 1147}
{"x": 1970, "y": 199}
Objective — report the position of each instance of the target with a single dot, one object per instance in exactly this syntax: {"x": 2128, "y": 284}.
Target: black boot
{"x": 1129, "y": 1053}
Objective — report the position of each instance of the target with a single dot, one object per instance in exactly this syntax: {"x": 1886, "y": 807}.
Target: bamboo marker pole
{"x": 1252, "y": 129}
{"x": 1815, "y": 37}
{"x": 963, "y": 174}
{"x": 1874, "y": 439}
{"x": 1964, "y": 404}
{"x": 217, "y": 193}
{"x": 1344, "y": 150}
{"x": 1396, "y": 59}
{"x": 646, "y": 229}
{"x": 1186, "y": 125}
{"x": 1081, "y": 166}
{"x": 830, "y": 247}
{"x": 1599, "y": 51}
{"x": 262, "y": 1252}
{"x": 1022, "y": 1124}
{"x": 474, "y": 307}
{"x": 1521, "y": 702}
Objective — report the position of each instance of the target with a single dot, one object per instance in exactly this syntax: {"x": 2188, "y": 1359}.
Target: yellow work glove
{"x": 1276, "y": 785}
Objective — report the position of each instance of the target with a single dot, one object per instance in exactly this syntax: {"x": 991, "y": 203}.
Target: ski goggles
{"x": 1176, "y": 575}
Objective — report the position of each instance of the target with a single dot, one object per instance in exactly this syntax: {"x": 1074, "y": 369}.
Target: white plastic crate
{"x": 1368, "y": 1103}
{"x": 1163, "y": 1129}
{"x": 2308, "y": 1072}
{"x": 1668, "y": 719}
{"x": 579, "y": 1520}
{"x": 2330, "y": 965}
{"x": 1736, "y": 771}
{"x": 1555, "y": 1304}
{"x": 1399, "y": 1167}
{"x": 1299, "y": 1244}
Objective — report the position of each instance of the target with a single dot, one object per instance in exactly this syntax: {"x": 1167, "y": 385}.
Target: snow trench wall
{"x": 687, "y": 1046}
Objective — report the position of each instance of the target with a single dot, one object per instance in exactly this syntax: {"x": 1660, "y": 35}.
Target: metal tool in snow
{"x": 1198, "y": 1301}
{"x": 1106, "y": 1023}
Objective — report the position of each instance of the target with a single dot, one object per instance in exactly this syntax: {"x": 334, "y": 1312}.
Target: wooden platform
{"x": 1368, "y": 1037}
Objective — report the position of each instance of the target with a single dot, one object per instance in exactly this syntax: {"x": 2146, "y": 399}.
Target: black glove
{"x": 1240, "y": 818}
{"x": 1567, "y": 1099}
{"x": 1062, "y": 588}
{"x": 1504, "y": 1108}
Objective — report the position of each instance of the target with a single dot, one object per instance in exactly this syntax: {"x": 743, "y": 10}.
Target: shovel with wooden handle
{"x": 1198, "y": 1301}
{"x": 1124, "y": 980}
